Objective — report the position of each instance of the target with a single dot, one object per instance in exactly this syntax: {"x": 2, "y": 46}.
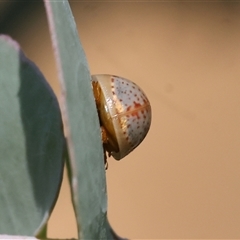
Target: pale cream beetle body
{"x": 124, "y": 113}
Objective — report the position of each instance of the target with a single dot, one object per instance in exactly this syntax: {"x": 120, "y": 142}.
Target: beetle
{"x": 124, "y": 114}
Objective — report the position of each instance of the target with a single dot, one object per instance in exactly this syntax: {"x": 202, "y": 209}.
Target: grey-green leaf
{"x": 82, "y": 126}
{"x": 31, "y": 144}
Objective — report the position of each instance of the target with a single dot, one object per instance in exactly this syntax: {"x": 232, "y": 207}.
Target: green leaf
{"x": 82, "y": 126}
{"x": 31, "y": 145}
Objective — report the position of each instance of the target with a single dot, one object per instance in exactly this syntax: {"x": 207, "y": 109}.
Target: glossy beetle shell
{"x": 124, "y": 112}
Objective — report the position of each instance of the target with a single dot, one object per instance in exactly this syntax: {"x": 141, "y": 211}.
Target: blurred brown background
{"x": 183, "y": 181}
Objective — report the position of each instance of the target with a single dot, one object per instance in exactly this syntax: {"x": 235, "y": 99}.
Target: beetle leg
{"x": 105, "y": 142}
{"x": 104, "y": 135}
{"x": 106, "y": 164}
{"x": 105, "y": 158}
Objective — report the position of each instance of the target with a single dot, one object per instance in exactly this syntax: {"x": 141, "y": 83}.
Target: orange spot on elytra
{"x": 128, "y": 108}
{"x": 135, "y": 114}
{"x": 137, "y": 105}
